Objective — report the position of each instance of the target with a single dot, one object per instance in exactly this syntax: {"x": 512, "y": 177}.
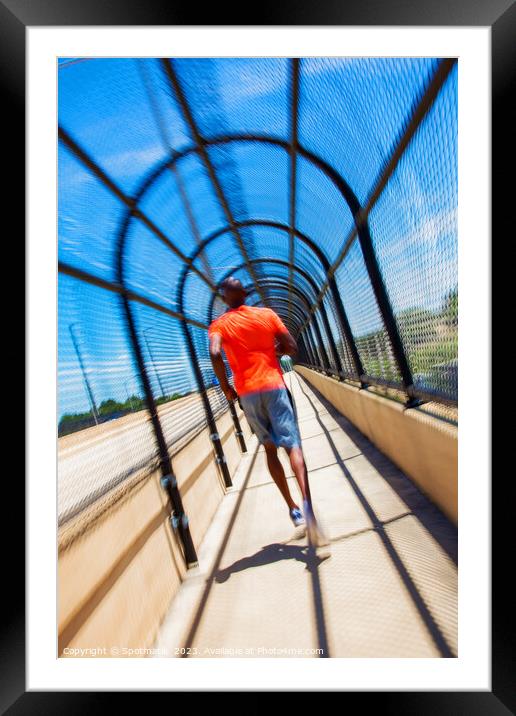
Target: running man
{"x": 252, "y": 338}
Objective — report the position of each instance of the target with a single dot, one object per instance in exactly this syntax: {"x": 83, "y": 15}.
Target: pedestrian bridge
{"x": 329, "y": 187}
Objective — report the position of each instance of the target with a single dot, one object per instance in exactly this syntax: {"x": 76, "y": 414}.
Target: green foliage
{"x": 167, "y": 398}
{"x": 109, "y": 406}
{"x": 427, "y": 356}
{"x": 109, "y": 409}
{"x": 417, "y": 326}
{"x": 450, "y": 311}
{"x": 430, "y": 339}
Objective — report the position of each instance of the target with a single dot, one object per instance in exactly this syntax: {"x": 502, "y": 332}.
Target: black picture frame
{"x": 15, "y": 17}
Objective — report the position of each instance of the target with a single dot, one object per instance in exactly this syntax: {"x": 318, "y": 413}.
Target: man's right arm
{"x": 286, "y": 343}
{"x": 219, "y": 367}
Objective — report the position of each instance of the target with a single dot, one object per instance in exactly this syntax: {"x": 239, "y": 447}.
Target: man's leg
{"x": 315, "y": 535}
{"x": 297, "y": 462}
{"x": 278, "y": 473}
{"x": 286, "y": 430}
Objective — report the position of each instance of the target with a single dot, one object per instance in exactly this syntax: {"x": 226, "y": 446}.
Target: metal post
{"x": 129, "y": 400}
{"x": 315, "y": 355}
{"x": 180, "y": 95}
{"x": 304, "y": 353}
{"x": 294, "y": 118}
{"x": 346, "y": 331}
{"x": 89, "y": 391}
{"x": 236, "y": 424}
{"x": 318, "y": 335}
{"x": 310, "y": 351}
{"x": 212, "y": 425}
{"x": 331, "y": 340}
{"x": 317, "y": 350}
{"x": 238, "y": 428}
{"x": 386, "y": 311}
{"x": 220, "y": 457}
{"x": 152, "y": 361}
{"x": 179, "y": 519}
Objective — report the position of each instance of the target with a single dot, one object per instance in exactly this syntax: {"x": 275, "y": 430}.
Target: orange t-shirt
{"x": 248, "y": 334}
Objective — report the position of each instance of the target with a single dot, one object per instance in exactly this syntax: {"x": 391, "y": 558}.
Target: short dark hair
{"x": 232, "y": 283}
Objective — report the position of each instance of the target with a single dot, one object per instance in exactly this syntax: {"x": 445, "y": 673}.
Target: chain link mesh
{"x": 127, "y": 116}
{"x": 414, "y": 230}
{"x": 364, "y": 316}
{"x": 104, "y": 433}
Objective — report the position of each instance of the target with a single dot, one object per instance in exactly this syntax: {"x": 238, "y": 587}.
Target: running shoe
{"x": 315, "y": 535}
{"x": 297, "y": 517}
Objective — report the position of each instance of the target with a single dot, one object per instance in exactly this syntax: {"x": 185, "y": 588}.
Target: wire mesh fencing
{"x": 328, "y": 186}
{"x": 397, "y": 274}
{"x": 104, "y": 434}
{"x": 414, "y": 225}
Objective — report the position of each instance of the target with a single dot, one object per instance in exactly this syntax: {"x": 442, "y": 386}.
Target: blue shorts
{"x": 271, "y": 415}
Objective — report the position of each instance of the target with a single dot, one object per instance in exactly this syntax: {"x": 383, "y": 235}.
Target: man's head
{"x": 233, "y": 292}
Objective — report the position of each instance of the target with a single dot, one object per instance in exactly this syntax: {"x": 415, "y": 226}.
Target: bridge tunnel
{"x": 328, "y": 186}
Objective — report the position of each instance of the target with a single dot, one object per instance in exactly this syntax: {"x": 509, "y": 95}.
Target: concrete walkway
{"x": 388, "y": 589}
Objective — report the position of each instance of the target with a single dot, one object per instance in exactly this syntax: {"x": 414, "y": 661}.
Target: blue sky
{"x": 351, "y": 112}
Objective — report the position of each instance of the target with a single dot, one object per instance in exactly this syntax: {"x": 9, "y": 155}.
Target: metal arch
{"x": 278, "y": 225}
{"x": 220, "y": 232}
{"x": 176, "y": 87}
{"x": 340, "y": 183}
{"x": 277, "y": 281}
{"x": 281, "y": 299}
{"x": 130, "y": 203}
{"x": 323, "y": 259}
{"x": 294, "y": 119}
{"x": 278, "y": 299}
{"x": 309, "y": 279}
{"x": 319, "y": 254}
{"x": 300, "y": 311}
{"x": 332, "y": 174}
{"x": 201, "y": 386}
{"x": 360, "y": 217}
{"x": 294, "y": 290}
{"x": 313, "y": 247}
{"x": 280, "y": 262}
{"x": 274, "y": 297}
{"x": 133, "y": 211}
{"x": 274, "y": 284}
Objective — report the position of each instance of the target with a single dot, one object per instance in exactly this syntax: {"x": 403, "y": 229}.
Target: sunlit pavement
{"x": 387, "y": 589}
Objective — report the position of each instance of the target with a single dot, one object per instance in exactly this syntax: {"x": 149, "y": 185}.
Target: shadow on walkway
{"x": 428, "y": 514}
{"x": 417, "y": 505}
{"x": 277, "y": 552}
{"x": 372, "y": 454}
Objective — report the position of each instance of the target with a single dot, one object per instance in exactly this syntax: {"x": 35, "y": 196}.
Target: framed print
{"x": 245, "y": 245}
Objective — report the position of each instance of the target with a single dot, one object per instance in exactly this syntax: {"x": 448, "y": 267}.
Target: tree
{"x": 450, "y": 310}
{"x": 109, "y": 406}
{"x": 417, "y": 326}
